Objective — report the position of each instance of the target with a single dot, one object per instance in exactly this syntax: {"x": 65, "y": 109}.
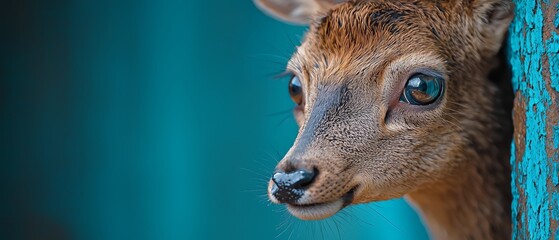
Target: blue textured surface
{"x": 535, "y": 164}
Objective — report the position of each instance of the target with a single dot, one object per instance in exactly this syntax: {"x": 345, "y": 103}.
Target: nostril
{"x": 291, "y": 186}
{"x": 295, "y": 180}
{"x": 303, "y": 178}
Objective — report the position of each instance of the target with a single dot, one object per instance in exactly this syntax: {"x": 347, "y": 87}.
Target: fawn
{"x": 395, "y": 98}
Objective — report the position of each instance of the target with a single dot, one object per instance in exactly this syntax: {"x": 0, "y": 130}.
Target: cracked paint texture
{"x": 534, "y": 56}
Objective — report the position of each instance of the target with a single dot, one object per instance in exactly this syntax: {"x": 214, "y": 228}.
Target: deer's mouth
{"x": 317, "y": 211}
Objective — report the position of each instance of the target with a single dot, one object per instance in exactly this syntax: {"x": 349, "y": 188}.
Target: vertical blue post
{"x": 534, "y": 56}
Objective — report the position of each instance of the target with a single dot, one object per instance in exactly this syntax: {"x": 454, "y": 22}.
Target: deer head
{"x": 391, "y": 97}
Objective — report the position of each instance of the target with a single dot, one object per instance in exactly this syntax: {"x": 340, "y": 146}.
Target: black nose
{"x": 289, "y": 187}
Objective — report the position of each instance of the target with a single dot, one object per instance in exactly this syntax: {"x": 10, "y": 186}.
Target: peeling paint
{"x": 553, "y": 55}
{"x": 557, "y": 17}
{"x": 534, "y": 159}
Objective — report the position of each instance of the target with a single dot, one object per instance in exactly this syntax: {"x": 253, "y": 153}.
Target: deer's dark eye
{"x": 422, "y": 89}
{"x": 296, "y": 90}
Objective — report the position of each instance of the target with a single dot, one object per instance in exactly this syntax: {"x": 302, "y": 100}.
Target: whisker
{"x": 265, "y": 169}
{"x": 293, "y": 45}
{"x": 359, "y": 219}
{"x": 283, "y": 223}
{"x": 284, "y": 230}
{"x": 273, "y": 160}
{"x": 337, "y": 228}
{"x": 251, "y": 171}
{"x": 329, "y": 223}
{"x": 385, "y": 218}
{"x": 321, "y": 230}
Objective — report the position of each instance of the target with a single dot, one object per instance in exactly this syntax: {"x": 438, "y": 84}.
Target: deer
{"x": 399, "y": 99}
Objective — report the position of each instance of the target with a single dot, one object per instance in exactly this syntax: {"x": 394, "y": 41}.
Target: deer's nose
{"x": 289, "y": 187}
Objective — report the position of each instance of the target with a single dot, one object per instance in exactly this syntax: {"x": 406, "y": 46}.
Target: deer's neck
{"x": 473, "y": 203}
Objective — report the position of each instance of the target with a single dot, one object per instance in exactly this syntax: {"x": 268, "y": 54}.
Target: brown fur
{"x": 450, "y": 158}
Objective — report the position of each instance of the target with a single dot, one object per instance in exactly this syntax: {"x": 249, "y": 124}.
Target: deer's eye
{"x": 296, "y": 90}
{"x": 422, "y": 89}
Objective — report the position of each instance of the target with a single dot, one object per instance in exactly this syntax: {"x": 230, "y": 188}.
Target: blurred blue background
{"x": 153, "y": 120}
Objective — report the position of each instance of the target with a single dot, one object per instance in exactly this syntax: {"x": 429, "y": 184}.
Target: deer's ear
{"x": 295, "y": 11}
{"x": 493, "y": 18}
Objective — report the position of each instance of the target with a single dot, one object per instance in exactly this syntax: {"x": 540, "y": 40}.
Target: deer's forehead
{"x": 362, "y": 37}
{"x": 365, "y": 23}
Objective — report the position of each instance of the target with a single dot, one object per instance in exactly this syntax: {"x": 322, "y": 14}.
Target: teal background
{"x": 153, "y": 120}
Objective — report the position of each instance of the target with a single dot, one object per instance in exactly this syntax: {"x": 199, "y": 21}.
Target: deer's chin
{"x": 319, "y": 211}
{"x": 316, "y": 211}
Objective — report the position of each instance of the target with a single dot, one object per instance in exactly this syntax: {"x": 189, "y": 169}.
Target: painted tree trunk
{"x": 534, "y": 56}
